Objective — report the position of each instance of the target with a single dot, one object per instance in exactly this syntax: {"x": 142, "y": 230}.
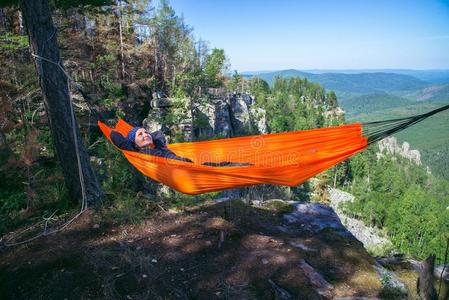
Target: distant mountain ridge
{"x": 347, "y": 85}
{"x": 437, "y": 93}
{"x": 372, "y": 102}
{"x": 431, "y": 76}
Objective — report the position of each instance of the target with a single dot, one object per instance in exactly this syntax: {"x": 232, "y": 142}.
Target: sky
{"x": 325, "y": 34}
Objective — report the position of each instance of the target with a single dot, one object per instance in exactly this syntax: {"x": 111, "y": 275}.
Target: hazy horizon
{"x": 349, "y": 69}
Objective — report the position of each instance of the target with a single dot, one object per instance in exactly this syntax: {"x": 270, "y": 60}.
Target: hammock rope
{"x": 287, "y": 158}
{"x": 376, "y": 131}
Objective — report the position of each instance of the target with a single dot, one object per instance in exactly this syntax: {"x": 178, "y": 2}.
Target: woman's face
{"x": 143, "y": 138}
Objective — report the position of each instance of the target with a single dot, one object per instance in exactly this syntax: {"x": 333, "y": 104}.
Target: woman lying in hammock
{"x": 140, "y": 140}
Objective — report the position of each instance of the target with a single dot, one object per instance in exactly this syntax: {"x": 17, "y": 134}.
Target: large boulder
{"x": 161, "y": 103}
{"x": 228, "y": 116}
{"x": 204, "y": 120}
{"x": 223, "y": 126}
{"x": 153, "y": 121}
{"x": 240, "y": 117}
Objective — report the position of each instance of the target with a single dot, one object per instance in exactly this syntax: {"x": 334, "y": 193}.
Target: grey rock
{"x": 369, "y": 236}
{"x": 204, "y": 120}
{"x": 322, "y": 287}
{"x": 231, "y": 193}
{"x": 222, "y": 124}
{"x": 389, "y": 279}
{"x": 301, "y": 246}
{"x": 391, "y": 146}
{"x": 315, "y": 217}
{"x": 153, "y": 121}
{"x": 160, "y": 103}
{"x": 240, "y": 116}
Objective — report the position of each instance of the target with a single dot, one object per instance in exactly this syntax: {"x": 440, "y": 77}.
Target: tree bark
{"x": 425, "y": 287}
{"x": 5, "y": 152}
{"x": 120, "y": 30}
{"x": 54, "y": 85}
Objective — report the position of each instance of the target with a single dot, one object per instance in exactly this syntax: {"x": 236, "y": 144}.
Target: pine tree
{"x": 54, "y": 84}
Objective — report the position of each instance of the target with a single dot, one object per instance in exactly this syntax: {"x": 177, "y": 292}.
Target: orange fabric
{"x": 288, "y": 158}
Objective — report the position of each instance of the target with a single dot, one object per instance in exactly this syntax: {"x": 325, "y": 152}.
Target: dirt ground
{"x": 215, "y": 251}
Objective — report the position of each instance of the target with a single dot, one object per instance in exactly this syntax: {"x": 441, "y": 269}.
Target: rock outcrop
{"x": 391, "y": 146}
{"x": 218, "y": 116}
{"x": 370, "y": 237}
{"x": 315, "y": 217}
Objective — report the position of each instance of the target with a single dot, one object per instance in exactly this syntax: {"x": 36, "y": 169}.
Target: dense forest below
{"x": 109, "y": 52}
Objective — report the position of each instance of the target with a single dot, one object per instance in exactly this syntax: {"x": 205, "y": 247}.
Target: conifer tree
{"x": 53, "y": 81}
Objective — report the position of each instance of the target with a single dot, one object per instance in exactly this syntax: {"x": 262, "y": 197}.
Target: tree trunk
{"x": 54, "y": 85}
{"x": 5, "y": 152}
{"x": 3, "y": 21}
{"x": 425, "y": 287}
{"x": 120, "y": 30}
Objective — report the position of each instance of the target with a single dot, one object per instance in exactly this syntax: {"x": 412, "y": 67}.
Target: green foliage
{"x": 389, "y": 291}
{"x": 381, "y": 250}
{"x": 125, "y": 208}
{"x": 214, "y": 68}
{"x": 181, "y": 201}
{"x": 418, "y": 222}
{"x": 13, "y": 42}
{"x": 105, "y": 65}
{"x": 6, "y": 3}
{"x": 372, "y": 103}
{"x": 260, "y": 89}
{"x": 236, "y": 82}
{"x": 401, "y": 198}
{"x": 201, "y": 120}
{"x": 11, "y": 202}
{"x": 292, "y": 104}
{"x": 176, "y": 116}
{"x": 114, "y": 169}
{"x": 331, "y": 98}
{"x": 361, "y": 163}
{"x": 321, "y": 194}
{"x": 28, "y": 192}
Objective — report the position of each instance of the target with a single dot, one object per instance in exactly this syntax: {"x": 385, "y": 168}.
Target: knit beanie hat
{"x": 132, "y": 134}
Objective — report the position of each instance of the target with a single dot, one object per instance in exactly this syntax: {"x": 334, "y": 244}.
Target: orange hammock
{"x": 288, "y": 158}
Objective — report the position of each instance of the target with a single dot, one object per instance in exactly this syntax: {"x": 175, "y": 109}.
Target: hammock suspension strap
{"x": 376, "y": 131}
